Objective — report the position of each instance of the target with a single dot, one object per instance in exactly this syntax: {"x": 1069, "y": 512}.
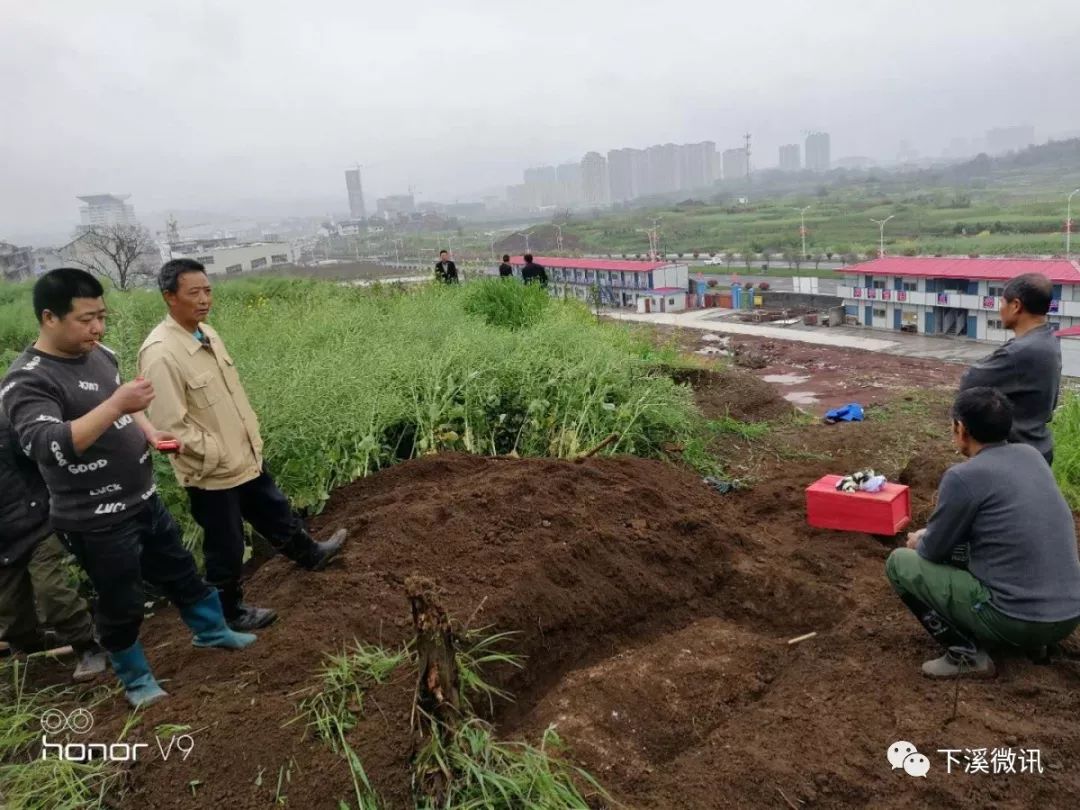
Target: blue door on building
{"x": 896, "y": 319}
{"x": 869, "y": 319}
{"x": 930, "y": 322}
{"x": 972, "y": 326}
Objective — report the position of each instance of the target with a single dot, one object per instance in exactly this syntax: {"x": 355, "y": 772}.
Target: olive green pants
{"x": 963, "y": 603}
{"x": 36, "y": 594}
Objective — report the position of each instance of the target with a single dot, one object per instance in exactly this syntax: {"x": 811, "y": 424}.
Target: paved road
{"x": 899, "y": 343}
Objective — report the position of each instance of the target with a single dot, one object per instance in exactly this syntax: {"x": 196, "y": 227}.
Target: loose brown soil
{"x": 654, "y": 615}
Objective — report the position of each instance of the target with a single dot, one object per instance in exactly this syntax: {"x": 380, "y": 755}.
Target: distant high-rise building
{"x": 356, "y": 193}
{"x": 388, "y": 207}
{"x": 663, "y": 171}
{"x": 627, "y": 174}
{"x": 697, "y": 165}
{"x": 790, "y": 161}
{"x": 568, "y": 177}
{"x": 106, "y": 210}
{"x": 1009, "y": 139}
{"x": 594, "y": 179}
{"x": 736, "y": 165}
{"x": 817, "y": 152}
{"x": 542, "y": 186}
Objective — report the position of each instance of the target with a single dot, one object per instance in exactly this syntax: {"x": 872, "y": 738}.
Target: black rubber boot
{"x": 944, "y": 632}
{"x": 241, "y": 617}
{"x": 311, "y": 554}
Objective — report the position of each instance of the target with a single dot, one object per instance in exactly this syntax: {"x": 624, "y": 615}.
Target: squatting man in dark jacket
{"x": 88, "y": 434}
{"x": 34, "y": 588}
{"x": 1021, "y": 587}
{"x": 201, "y": 400}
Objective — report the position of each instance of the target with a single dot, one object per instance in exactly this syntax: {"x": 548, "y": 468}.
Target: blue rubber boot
{"x": 207, "y": 620}
{"x": 133, "y": 670}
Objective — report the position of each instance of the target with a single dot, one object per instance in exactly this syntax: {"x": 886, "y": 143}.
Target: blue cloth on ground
{"x": 851, "y": 412}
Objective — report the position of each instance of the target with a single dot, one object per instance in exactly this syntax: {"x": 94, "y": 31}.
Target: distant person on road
{"x": 88, "y": 434}
{"x": 200, "y": 400}
{"x": 1021, "y": 588}
{"x": 506, "y": 269}
{"x": 445, "y": 269}
{"x": 533, "y": 272}
{"x": 1027, "y": 369}
{"x": 34, "y": 590}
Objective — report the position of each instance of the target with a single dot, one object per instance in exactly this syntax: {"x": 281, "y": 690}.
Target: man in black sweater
{"x": 506, "y": 270}
{"x": 89, "y": 436}
{"x": 533, "y": 271}
{"x": 34, "y": 588}
{"x": 445, "y": 269}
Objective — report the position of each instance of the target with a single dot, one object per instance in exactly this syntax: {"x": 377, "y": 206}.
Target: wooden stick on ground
{"x": 614, "y": 437}
{"x": 786, "y": 799}
{"x": 436, "y": 707}
{"x": 802, "y": 638}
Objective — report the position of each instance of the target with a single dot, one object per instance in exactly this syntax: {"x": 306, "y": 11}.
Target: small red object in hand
{"x": 168, "y": 446}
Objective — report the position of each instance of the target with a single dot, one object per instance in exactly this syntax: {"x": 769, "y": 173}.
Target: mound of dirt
{"x": 733, "y": 393}
{"x": 574, "y": 558}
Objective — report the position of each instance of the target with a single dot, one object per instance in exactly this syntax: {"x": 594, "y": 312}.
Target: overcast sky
{"x": 211, "y": 105}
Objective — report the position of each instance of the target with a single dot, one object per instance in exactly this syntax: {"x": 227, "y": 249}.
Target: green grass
{"x": 337, "y": 703}
{"x": 347, "y": 381}
{"x": 1066, "y": 431}
{"x": 493, "y": 775}
{"x": 29, "y": 782}
{"x": 927, "y": 221}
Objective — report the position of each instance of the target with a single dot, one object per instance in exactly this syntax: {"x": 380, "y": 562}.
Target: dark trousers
{"x": 221, "y": 514}
{"x": 35, "y": 594}
{"x": 145, "y": 547}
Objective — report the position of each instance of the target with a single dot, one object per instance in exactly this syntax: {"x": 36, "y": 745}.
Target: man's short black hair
{"x": 169, "y": 276}
{"x": 506, "y": 257}
{"x": 55, "y": 290}
{"x": 985, "y": 412}
{"x": 441, "y": 252}
{"x": 1033, "y": 290}
{"x": 527, "y": 257}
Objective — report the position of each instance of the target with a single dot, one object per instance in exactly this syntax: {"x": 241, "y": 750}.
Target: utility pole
{"x": 558, "y": 239}
{"x": 802, "y": 228}
{"x": 491, "y": 236}
{"x": 881, "y": 225}
{"x": 1068, "y": 225}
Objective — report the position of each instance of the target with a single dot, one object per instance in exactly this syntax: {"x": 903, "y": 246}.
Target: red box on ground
{"x": 886, "y": 512}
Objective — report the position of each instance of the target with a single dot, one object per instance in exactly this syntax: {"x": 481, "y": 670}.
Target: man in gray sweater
{"x": 1027, "y": 369}
{"x": 1022, "y": 586}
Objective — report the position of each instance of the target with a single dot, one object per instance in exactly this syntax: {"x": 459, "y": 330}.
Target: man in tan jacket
{"x": 201, "y": 401}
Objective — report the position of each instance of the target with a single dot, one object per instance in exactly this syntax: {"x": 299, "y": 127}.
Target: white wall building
{"x": 622, "y": 283}
{"x": 106, "y": 210}
{"x": 957, "y": 297}
{"x": 242, "y": 258}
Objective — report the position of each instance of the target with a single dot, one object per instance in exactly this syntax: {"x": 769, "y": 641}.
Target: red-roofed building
{"x": 645, "y": 286}
{"x": 951, "y": 296}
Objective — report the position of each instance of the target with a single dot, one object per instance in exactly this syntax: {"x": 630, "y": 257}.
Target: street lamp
{"x": 526, "y": 234}
{"x": 881, "y": 225}
{"x": 491, "y": 237}
{"x": 802, "y": 228}
{"x": 1068, "y": 225}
